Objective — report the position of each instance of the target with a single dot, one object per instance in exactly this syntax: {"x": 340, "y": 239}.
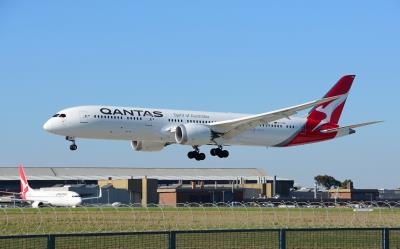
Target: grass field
{"x": 95, "y": 219}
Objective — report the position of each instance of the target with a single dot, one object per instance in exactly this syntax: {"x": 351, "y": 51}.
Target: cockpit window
{"x": 75, "y": 196}
{"x": 62, "y": 115}
{"x": 56, "y": 115}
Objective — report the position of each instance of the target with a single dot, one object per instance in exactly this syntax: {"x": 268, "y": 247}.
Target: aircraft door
{"x": 149, "y": 122}
{"x": 84, "y": 117}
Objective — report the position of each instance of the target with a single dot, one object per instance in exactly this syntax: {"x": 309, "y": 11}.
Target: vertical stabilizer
{"x": 325, "y": 116}
{"x": 330, "y": 112}
{"x": 23, "y": 182}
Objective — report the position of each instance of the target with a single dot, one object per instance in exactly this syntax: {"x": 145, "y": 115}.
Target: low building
{"x": 389, "y": 194}
{"x": 309, "y": 194}
{"x": 354, "y": 194}
{"x": 179, "y": 193}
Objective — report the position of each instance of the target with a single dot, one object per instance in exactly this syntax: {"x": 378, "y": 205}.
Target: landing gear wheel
{"x": 196, "y": 154}
{"x": 73, "y": 147}
{"x": 213, "y": 152}
{"x": 219, "y": 152}
{"x": 200, "y": 156}
{"x": 191, "y": 154}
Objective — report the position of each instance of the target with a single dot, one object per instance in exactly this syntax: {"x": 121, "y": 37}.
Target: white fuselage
{"x": 53, "y": 198}
{"x": 157, "y": 125}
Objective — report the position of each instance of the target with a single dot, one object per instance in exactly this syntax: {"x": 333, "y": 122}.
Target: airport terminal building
{"x": 166, "y": 186}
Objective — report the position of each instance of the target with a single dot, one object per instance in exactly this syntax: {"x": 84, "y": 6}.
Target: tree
{"x": 327, "y": 181}
{"x": 348, "y": 184}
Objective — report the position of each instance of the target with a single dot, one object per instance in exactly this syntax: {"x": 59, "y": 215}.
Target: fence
{"x": 194, "y": 216}
{"x": 327, "y": 238}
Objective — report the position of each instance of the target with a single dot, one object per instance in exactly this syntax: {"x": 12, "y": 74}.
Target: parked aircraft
{"x": 39, "y": 197}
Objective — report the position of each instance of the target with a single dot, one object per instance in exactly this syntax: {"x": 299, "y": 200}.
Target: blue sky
{"x": 234, "y": 56}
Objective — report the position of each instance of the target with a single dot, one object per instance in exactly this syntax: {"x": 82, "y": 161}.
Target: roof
{"x": 97, "y": 173}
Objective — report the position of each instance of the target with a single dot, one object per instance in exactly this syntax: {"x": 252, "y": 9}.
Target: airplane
{"x": 151, "y": 129}
{"x": 38, "y": 197}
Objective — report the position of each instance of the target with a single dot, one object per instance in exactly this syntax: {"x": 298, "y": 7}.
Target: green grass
{"x": 108, "y": 219}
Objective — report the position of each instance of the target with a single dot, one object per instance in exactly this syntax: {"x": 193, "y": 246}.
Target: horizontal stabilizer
{"x": 349, "y": 127}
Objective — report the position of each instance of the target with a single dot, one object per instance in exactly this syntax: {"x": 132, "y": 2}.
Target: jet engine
{"x": 193, "y": 134}
{"x": 37, "y": 204}
{"x": 147, "y": 146}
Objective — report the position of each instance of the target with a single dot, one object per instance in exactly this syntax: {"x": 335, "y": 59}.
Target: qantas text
{"x": 140, "y": 113}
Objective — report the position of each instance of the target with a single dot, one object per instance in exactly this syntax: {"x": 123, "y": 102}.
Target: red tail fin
{"x": 324, "y": 116}
{"x": 329, "y": 113}
{"x": 24, "y": 183}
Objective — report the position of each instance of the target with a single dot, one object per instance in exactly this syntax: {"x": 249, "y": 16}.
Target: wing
{"x": 11, "y": 198}
{"x": 350, "y": 126}
{"x": 231, "y": 128}
{"x": 7, "y": 192}
{"x": 97, "y": 197}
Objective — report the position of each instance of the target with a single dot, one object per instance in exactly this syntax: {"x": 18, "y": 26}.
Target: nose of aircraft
{"x": 47, "y": 126}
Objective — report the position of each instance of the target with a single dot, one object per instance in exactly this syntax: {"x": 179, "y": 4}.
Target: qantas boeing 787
{"x": 152, "y": 129}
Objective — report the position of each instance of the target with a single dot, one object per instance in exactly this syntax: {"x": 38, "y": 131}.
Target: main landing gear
{"x": 73, "y": 146}
{"x": 219, "y": 152}
{"x": 196, "y": 154}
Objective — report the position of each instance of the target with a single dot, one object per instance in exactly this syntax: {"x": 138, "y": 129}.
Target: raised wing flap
{"x": 233, "y": 127}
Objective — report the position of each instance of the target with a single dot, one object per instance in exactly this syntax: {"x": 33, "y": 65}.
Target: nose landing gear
{"x": 219, "y": 152}
{"x": 196, "y": 154}
{"x": 73, "y": 146}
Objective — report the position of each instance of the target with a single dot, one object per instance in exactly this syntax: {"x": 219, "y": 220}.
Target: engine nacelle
{"x": 193, "y": 134}
{"x": 36, "y": 204}
{"x": 147, "y": 146}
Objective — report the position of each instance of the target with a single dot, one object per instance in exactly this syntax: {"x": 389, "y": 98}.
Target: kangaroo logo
{"x": 25, "y": 188}
{"x": 24, "y": 183}
{"x": 328, "y": 110}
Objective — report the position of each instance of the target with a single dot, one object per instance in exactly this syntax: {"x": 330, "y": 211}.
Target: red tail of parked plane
{"x": 23, "y": 182}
